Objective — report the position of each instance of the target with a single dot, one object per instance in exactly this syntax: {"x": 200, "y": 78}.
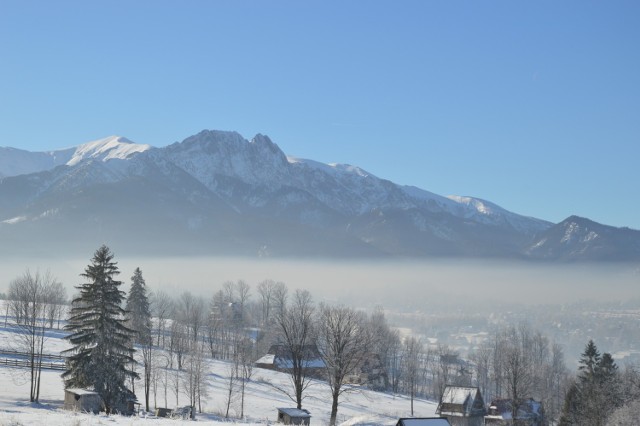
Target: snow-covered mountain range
{"x": 216, "y": 192}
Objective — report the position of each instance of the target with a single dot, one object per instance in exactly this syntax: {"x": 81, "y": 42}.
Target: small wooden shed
{"x": 423, "y": 421}
{"x": 163, "y": 412}
{"x": 76, "y": 399}
{"x": 294, "y": 416}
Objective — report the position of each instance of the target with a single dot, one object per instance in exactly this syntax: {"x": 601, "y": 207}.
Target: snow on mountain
{"x": 490, "y": 213}
{"x": 348, "y": 189}
{"x": 15, "y": 162}
{"x": 578, "y": 238}
{"x": 212, "y": 154}
{"x": 110, "y": 148}
{"x": 220, "y": 182}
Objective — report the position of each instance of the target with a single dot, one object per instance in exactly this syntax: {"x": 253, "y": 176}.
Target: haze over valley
{"x": 217, "y": 208}
{"x": 366, "y": 210}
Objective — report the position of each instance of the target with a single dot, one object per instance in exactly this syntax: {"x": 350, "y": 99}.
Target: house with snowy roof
{"x": 423, "y": 421}
{"x": 294, "y": 416}
{"x": 529, "y": 413}
{"x": 82, "y": 400}
{"x": 371, "y": 373}
{"x": 462, "y": 406}
{"x": 279, "y": 358}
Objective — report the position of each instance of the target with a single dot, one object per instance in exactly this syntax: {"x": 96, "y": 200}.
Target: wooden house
{"x": 279, "y": 358}
{"x": 530, "y": 413}
{"x": 83, "y": 400}
{"x": 294, "y": 416}
{"x": 370, "y": 373}
{"x": 423, "y": 421}
{"x": 462, "y": 406}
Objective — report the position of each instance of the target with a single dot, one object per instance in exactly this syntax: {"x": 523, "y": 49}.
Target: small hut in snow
{"x": 424, "y": 421}
{"x": 76, "y": 399}
{"x": 294, "y": 416}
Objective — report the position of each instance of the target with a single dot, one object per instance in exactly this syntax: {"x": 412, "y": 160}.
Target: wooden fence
{"x": 28, "y": 355}
{"x": 22, "y": 360}
{"x": 12, "y": 362}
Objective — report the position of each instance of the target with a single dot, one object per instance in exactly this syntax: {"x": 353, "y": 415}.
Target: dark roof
{"x": 423, "y": 421}
{"x": 295, "y": 412}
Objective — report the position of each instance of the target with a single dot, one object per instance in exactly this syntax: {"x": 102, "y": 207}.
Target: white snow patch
{"x": 590, "y": 236}
{"x": 569, "y": 232}
{"x": 478, "y": 205}
{"x": 112, "y": 147}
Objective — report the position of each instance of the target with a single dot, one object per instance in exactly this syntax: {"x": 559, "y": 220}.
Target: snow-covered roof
{"x": 294, "y": 412}
{"x": 267, "y": 359}
{"x": 80, "y": 391}
{"x": 458, "y": 394}
{"x": 424, "y": 422}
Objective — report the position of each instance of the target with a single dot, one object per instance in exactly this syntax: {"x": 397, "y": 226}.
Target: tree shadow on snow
{"x": 43, "y": 404}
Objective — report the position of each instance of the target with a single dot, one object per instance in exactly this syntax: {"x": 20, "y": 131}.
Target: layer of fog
{"x": 398, "y": 285}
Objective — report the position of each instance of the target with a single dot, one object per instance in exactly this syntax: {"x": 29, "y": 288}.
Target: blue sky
{"x": 532, "y": 105}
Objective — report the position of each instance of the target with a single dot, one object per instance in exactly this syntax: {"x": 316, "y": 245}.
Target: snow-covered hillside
{"x": 359, "y": 407}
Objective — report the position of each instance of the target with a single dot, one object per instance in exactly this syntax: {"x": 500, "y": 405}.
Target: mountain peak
{"x": 109, "y": 148}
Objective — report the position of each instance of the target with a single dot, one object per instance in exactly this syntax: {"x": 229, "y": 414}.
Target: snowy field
{"x": 360, "y": 407}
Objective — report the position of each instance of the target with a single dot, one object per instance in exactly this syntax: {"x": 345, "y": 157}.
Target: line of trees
{"x": 35, "y": 301}
{"x": 520, "y": 363}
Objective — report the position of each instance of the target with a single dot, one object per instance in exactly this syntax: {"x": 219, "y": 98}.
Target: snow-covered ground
{"x": 360, "y": 407}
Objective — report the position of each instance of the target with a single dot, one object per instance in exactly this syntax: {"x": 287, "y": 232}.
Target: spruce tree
{"x": 589, "y": 361}
{"x": 101, "y": 342}
{"x": 596, "y": 391}
{"x": 138, "y": 311}
{"x": 608, "y": 380}
{"x": 139, "y": 320}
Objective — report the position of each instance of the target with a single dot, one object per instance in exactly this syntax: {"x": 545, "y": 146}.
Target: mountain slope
{"x": 14, "y": 162}
{"x": 577, "y": 238}
{"x": 216, "y": 192}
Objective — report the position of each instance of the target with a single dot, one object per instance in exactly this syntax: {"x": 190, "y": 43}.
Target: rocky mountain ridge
{"x": 216, "y": 192}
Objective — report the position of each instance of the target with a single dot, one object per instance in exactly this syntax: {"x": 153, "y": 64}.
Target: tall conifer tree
{"x": 595, "y": 393}
{"x": 139, "y": 320}
{"x": 137, "y": 308}
{"x": 101, "y": 342}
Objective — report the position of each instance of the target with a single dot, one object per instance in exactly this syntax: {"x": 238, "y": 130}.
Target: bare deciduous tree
{"x": 29, "y": 298}
{"x": 56, "y": 304}
{"x": 344, "y": 343}
{"x": 266, "y": 292}
{"x": 194, "y": 376}
{"x": 296, "y": 334}
{"x": 280, "y": 296}
{"x": 387, "y": 345}
{"x": 481, "y": 358}
{"x": 245, "y": 361}
{"x": 411, "y": 365}
{"x": 162, "y": 308}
